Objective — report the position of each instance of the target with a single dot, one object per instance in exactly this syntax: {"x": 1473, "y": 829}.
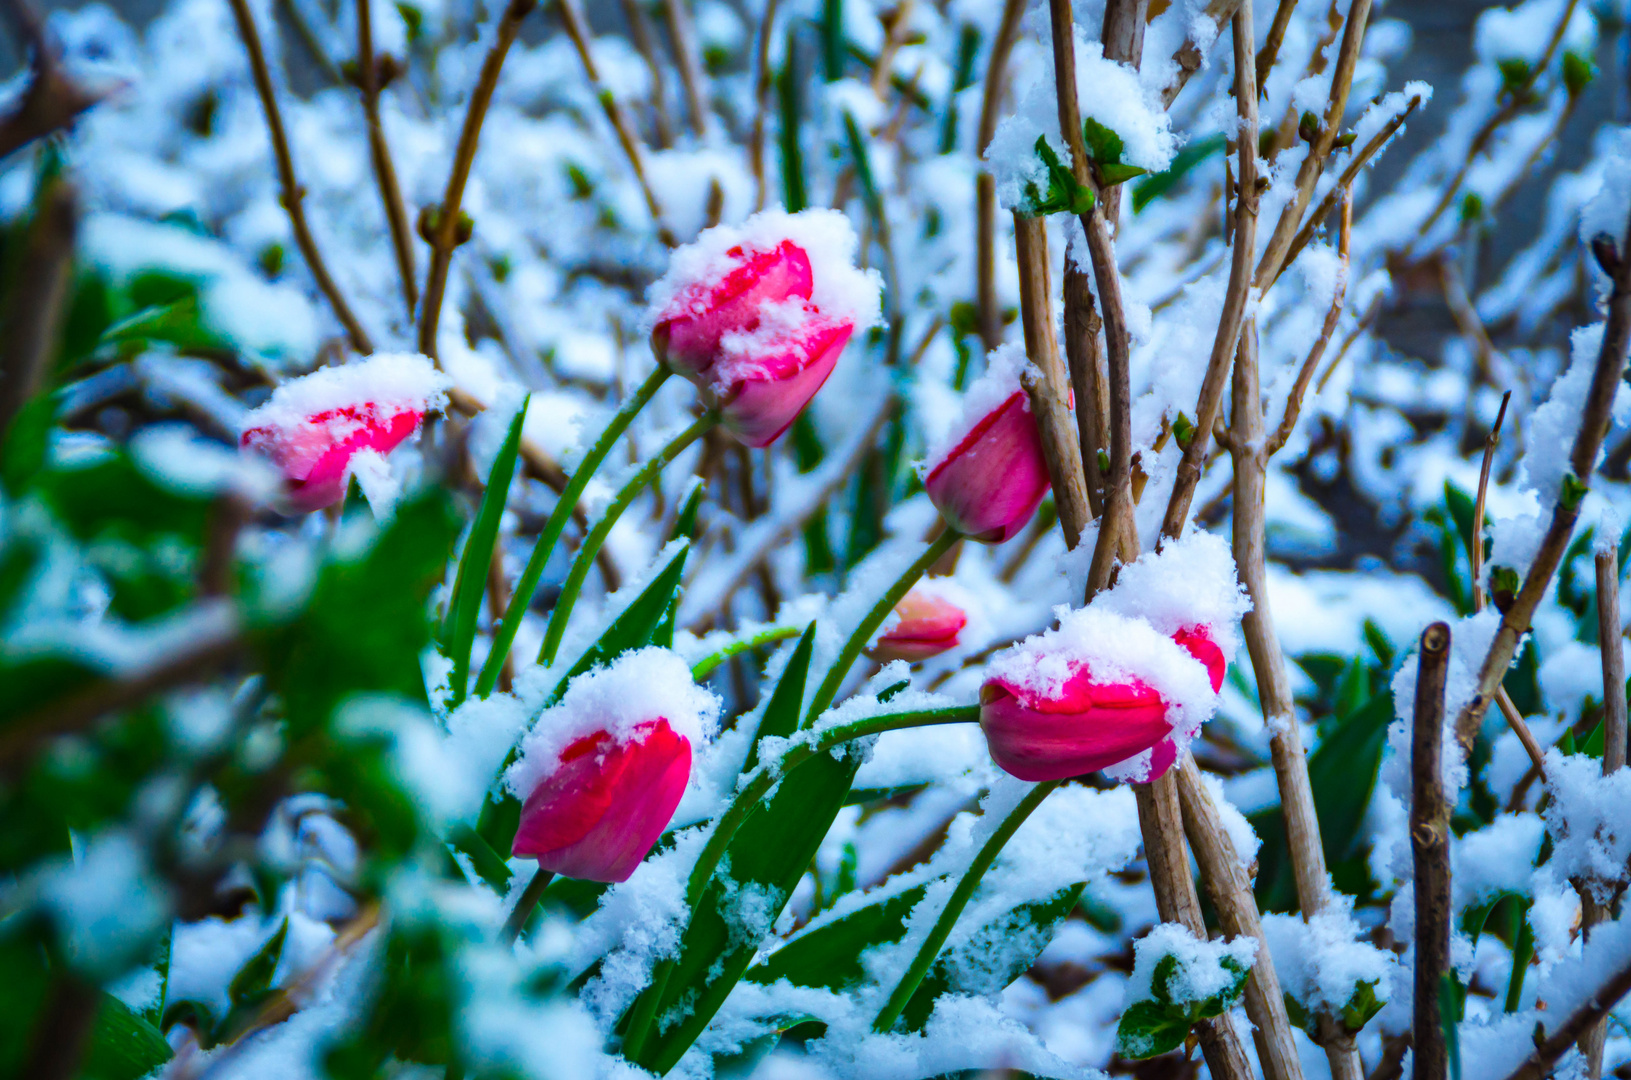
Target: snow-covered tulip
{"x": 766, "y": 376}
{"x": 601, "y": 773}
{"x": 928, "y": 626}
{"x": 990, "y": 477}
{"x": 599, "y": 813}
{"x": 757, "y": 315}
{"x": 687, "y": 332}
{"x": 318, "y": 429}
{"x": 1102, "y": 690}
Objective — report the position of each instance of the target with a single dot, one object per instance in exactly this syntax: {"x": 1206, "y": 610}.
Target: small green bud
{"x": 1578, "y": 73}
{"x": 1308, "y": 127}
{"x": 1574, "y": 489}
{"x": 1183, "y": 430}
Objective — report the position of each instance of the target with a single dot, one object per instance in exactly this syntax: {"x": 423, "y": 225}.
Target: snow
{"x": 636, "y": 688}
{"x": 1322, "y": 962}
{"x": 1005, "y": 368}
{"x": 1199, "y": 972}
{"x": 1589, "y": 820}
{"x": 385, "y": 384}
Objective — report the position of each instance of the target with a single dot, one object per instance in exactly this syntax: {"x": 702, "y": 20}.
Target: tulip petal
{"x": 1037, "y": 740}
{"x": 687, "y": 335}
{"x": 769, "y": 388}
{"x": 989, "y": 484}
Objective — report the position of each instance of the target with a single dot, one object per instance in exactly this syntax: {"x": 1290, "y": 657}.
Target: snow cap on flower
{"x": 320, "y": 427}
{"x": 1189, "y": 583}
{"x": 633, "y": 689}
{"x": 925, "y": 625}
{"x": 1091, "y": 693}
{"x": 594, "y": 807}
{"x": 987, "y": 474}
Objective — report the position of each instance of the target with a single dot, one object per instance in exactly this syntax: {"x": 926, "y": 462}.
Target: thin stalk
{"x": 1610, "y": 640}
{"x": 828, "y": 690}
{"x": 683, "y": 38}
{"x": 634, "y": 13}
{"x": 1475, "y": 549}
{"x": 528, "y": 900}
{"x": 762, "y": 83}
{"x": 705, "y": 667}
{"x": 290, "y": 191}
{"x": 379, "y": 155}
{"x": 1430, "y": 847}
{"x": 443, "y": 231}
{"x": 504, "y": 637}
{"x": 1189, "y": 57}
{"x": 597, "y": 536}
{"x": 960, "y": 896}
{"x": 985, "y": 185}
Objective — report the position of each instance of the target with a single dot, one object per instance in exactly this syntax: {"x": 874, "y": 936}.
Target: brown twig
{"x": 1048, "y": 392}
{"x": 578, "y": 30}
{"x": 1539, "y": 1063}
{"x": 683, "y": 38}
{"x": 1230, "y": 321}
{"x": 1189, "y": 55}
{"x": 985, "y": 185}
{"x": 1430, "y": 847}
{"x": 1475, "y": 549}
{"x": 1344, "y": 185}
{"x": 1588, "y": 442}
{"x": 762, "y": 83}
{"x": 1231, "y": 891}
{"x": 1518, "y": 96}
{"x": 1160, "y": 820}
{"x": 34, "y": 305}
{"x": 640, "y": 34}
{"x": 1085, "y": 355}
{"x": 442, "y": 229}
{"x": 1308, "y": 173}
{"x": 1270, "y": 52}
{"x": 291, "y": 193}
{"x": 52, "y": 101}
{"x": 1305, "y": 374}
{"x": 379, "y": 154}
{"x": 1122, "y": 33}
{"x": 1610, "y": 638}
{"x": 894, "y": 36}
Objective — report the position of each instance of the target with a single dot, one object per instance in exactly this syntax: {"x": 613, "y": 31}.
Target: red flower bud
{"x": 766, "y": 376}
{"x": 928, "y": 626}
{"x": 313, "y": 427}
{"x": 989, "y": 484}
{"x": 1084, "y": 726}
{"x": 689, "y": 328}
{"x": 598, "y": 814}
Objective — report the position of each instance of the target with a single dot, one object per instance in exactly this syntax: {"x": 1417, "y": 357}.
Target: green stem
{"x": 749, "y": 796}
{"x": 960, "y": 897}
{"x": 568, "y": 502}
{"x": 523, "y": 906}
{"x": 603, "y": 528}
{"x": 1523, "y": 951}
{"x": 857, "y": 641}
{"x": 705, "y": 667}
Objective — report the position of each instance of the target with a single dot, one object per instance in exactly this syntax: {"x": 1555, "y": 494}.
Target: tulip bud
{"x": 312, "y": 428}
{"x": 1197, "y": 641}
{"x": 601, "y": 811}
{"x": 928, "y": 626}
{"x": 1101, "y": 691}
{"x": 601, "y": 773}
{"x": 993, "y": 476}
{"x": 689, "y": 328}
{"x": 765, "y": 377}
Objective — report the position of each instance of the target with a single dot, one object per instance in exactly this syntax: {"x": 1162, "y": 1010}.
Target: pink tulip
{"x": 689, "y": 328}
{"x": 313, "y": 427}
{"x": 928, "y": 626}
{"x": 598, "y": 814}
{"x": 990, "y": 483}
{"x": 1198, "y": 642}
{"x": 1085, "y": 726}
{"x": 766, "y": 376}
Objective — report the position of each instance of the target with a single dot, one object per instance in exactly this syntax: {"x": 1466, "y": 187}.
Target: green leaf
{"x": 1361, "y": 1006}
{"x": 1105, "y": 148}
{"x": 1064, "y": 194}
{"x": 470, "y": 583}
{"x": 1148, "y": 1029}
{"x": 994, "y": 955}
{"x": 1578, "y": 72}
{"x": 487, "y": 863}
{"x": 1452, "y": 1003}
{"x": 828, "y": 956}
{"x": 123, "y": 1046}
{"x": 780, "y": 718}
{"x": 255, "y": 977}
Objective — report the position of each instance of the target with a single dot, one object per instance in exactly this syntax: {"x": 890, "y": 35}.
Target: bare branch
{"x": 683, "y": 37}
{"x": 52, "y": 101}
{"x": 1305, "y": 374}
{"x": 1270, "y": 52}
{"x": 985, "y": 185}
{"x": 292, "y": 193}
{"x": 442, "y": 229}
{"x": 379, "y": 154}
{"x": 1189, "y": 55}
{"x": 34, "y": 304}
{"x": 1611, "y": 642}
{"x": 1430, "y": 846}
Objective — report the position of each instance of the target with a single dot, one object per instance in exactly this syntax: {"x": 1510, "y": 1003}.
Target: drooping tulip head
{"x": 1100, "y": 691}
{"x": 601, "y": 811}
{"x": 602, "y": 773}
{"x": 757, "y": 315}
{"x": 991, "y": 476}
{"x": 928, "y": 626}
{"x": 315, "y": 427}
